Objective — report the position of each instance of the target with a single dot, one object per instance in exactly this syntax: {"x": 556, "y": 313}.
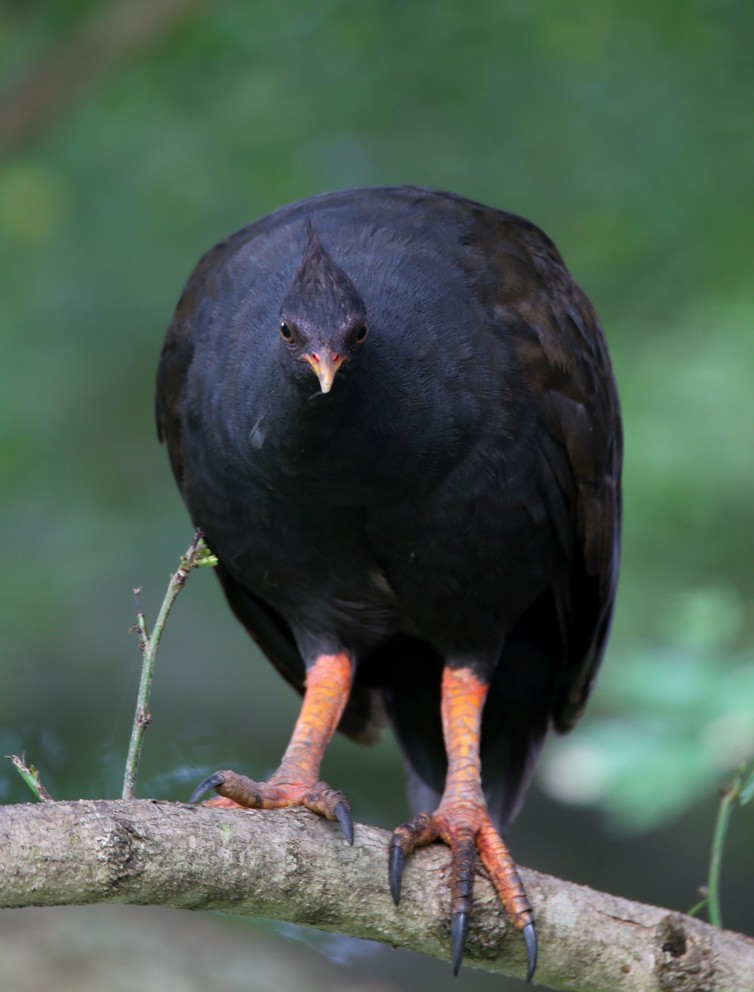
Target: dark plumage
{"x": 445, "y": 497}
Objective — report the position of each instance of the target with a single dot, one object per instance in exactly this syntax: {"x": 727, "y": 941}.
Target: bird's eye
{"x": 286, "y": 333}
{"x": 361, "y": 334}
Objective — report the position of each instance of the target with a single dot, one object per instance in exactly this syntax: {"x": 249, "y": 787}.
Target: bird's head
{"x": 323, "y": 319}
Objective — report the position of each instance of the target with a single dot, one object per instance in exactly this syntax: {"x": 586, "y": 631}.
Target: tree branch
{"x": 290, "y": 865}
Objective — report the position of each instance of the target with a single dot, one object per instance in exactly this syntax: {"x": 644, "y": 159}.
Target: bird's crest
{"x": 321, "y": 292}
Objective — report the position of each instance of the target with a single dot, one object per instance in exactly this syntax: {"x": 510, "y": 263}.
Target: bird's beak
{"x": 324, "y": 365}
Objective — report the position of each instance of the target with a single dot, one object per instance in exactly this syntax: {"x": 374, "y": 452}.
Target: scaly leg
{"x": 296, "y": 781}
{"x": 462, "y": 822}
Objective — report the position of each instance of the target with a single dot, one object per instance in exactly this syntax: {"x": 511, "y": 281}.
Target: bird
{"x": 392, "y": 413}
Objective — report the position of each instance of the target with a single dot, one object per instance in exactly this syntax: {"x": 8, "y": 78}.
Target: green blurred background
{"x": 136, "y": 134}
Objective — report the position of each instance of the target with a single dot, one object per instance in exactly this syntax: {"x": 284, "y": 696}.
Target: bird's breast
{"x": 361, "y": 444}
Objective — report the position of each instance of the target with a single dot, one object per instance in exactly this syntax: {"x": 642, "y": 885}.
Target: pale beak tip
{"x": 325, "y": 369}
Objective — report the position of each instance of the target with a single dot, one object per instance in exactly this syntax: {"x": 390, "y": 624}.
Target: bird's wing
{"x": 564, "y": 361}
{"x": 178, "y": 352}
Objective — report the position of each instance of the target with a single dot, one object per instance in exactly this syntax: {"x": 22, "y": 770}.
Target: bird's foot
{"x": 237, "y": 791}
{"x": 466, "y": 829}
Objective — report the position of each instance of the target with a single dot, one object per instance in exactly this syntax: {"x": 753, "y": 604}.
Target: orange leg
{"x": 296, "y": 781}
{"x": 461, "y": 821}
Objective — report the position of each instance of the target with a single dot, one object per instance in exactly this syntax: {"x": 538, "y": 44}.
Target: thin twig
{"x": 733, "y": 794}
{"x": 31, "y": 776}
{"x": 197, "y": 554}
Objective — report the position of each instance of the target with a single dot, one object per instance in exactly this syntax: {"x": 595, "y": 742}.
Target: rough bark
{"x": 290, "y": 865}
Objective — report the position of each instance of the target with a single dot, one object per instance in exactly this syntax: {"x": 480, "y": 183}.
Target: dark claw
{"x": 530, "y": 936}
{"x": 209, "y": 783}
{"x": 344, "y": 818}
{"x": 397, "y": 860}
{"x": 459, "y": 928}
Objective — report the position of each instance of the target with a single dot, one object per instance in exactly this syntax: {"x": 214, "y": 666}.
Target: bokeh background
{"x": 136, "y": 134}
